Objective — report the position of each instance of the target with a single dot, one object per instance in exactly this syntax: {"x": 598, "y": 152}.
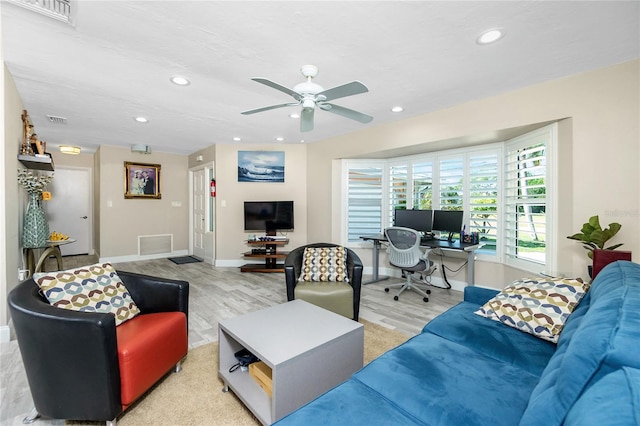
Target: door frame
{"x": 210, "y": 234}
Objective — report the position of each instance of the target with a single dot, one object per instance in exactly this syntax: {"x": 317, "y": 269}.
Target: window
{"x": 422, "y": 180}
{"x": 526, "y": 219}
{"x": 502, "y": 188}
{"x": 483, "y": 199}
{"x": 364, "y": 211}
{"x": 398, "y": 187}
{"x": 451, "y": 186}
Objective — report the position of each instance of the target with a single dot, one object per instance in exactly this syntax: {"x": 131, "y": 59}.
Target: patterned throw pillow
{"x": 94, "y": 288}
{"x": 324, "y": 264}
{"x": 536, "y": 306}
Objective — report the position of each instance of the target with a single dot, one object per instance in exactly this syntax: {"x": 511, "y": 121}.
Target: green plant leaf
{"x": 614, "y": 228}
{"x": 613, "y": 247}
{"x": 594, "y": 222}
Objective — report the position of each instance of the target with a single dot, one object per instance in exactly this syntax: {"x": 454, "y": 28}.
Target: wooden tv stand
{"x": 270, "y": 256}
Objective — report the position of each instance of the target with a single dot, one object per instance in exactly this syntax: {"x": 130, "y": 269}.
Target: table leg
{"x": 376, "y": 260}
{"x": 471, "y": 270}
{"x": 53, "y": 250}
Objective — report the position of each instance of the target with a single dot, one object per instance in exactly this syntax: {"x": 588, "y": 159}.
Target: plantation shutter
{"x": 423, "y": 186}
{"x": 525, "y": 201}
{"x": 398, "y": 183}
{"x": 364, "y": 209}
{"x": 483, "y": 198}
{"x": 451, "y": 183}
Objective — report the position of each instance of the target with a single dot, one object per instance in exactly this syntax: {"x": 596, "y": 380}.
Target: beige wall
{"x": 231, "y": 194}
{"x": 121, "y": 222}
{"x": 603, "y": 109}
{"x": 13, "y": 195}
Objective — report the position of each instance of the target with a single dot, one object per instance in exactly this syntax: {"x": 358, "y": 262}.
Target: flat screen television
{"x": 447, "y": 221}
{"x": 270, "y": 216}
{"x": 420, "y": 220}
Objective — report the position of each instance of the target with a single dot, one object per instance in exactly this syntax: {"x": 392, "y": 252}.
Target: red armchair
{"x": 81, "y": 366}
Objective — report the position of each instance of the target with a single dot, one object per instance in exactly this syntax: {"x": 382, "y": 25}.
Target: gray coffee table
{"x": 309, "y": 349}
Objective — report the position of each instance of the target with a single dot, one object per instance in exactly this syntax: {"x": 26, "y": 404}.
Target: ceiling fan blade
{"x": 297, "y": 96}
{"x": 346, "y": 112}
{"x": 306, "y": 119}
{"x": 267, "y": 108}
{"x": 349, "y": 89}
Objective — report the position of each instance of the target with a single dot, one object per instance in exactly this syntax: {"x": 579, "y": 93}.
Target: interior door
{"x": 200, "y": 196}
{"x": 69, "y": 210}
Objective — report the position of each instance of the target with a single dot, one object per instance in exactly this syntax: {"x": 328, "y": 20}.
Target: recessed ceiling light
{"x": 279, "y": 138}
{"x": 294, "y": 115}
{"x": 179, "y": 80}
{"x": 397, "y": 109}
{"x": 141, "y": 119}
{"x": 490, "y": 36}
{"x": 301, "y": 140}
{"x": 237, "y": 139}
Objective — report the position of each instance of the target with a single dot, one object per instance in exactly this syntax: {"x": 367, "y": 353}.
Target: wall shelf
{"x": 37, "y": 163}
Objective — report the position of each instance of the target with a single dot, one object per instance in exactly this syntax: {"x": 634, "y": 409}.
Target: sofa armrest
{"x": 478, "y": 295}
{"x": 55, "y": 341}
{"x": 154, "y": 294}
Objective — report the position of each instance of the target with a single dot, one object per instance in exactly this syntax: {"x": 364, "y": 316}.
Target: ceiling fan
{"x": 310, "y": 95}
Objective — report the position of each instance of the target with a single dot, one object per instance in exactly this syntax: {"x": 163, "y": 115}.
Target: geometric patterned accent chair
{"x": 80, "y": 365}
{"x": 326, "y": 275}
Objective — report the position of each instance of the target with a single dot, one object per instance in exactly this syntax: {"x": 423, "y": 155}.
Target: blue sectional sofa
{"x": 464, "y": 369}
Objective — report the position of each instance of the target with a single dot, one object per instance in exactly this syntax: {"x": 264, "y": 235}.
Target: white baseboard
{"x": 5, "y": 334}
{"x": 135, "y": 257}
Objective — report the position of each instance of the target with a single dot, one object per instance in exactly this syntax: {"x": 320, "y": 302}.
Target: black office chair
{"x": 405, "y": 253}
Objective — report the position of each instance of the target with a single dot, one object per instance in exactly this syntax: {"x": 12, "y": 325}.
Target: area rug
{"x": 184, "y": 259}
{"x": 194, "y": 396}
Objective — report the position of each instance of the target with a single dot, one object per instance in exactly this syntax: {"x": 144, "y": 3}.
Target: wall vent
{"x": 155, "y": 244}
{"x": 56, "y": 120}
{"x": 61, "y": 10}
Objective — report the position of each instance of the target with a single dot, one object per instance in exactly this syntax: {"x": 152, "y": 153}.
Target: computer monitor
{"x": 447, "y": 221}
{"x": 420, "y": 220}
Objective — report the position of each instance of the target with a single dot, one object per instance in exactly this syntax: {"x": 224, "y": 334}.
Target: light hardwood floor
{"x": 219, "y": 293}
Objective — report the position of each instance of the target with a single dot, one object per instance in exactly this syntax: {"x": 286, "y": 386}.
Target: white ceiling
{"x": 115, "y": 63}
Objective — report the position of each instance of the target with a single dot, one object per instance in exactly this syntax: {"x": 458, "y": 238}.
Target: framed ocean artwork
{"x": 260, "y": 166}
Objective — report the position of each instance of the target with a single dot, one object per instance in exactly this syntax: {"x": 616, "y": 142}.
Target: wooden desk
{"x": 52, "y": 248}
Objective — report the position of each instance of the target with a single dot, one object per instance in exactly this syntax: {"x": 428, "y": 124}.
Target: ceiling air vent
{"x": 61, "y": 10}
{"x": 56, "y": 120}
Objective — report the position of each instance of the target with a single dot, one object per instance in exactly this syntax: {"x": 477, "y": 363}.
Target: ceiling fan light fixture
{"x": 490, "y": 36}
{"x": 68, "y": 149}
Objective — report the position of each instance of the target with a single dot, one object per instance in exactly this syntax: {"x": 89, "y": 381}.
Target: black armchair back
{"x": 293, "y": 266}
{"x": 71, "y": 357}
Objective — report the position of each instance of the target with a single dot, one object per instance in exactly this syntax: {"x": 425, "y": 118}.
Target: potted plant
{"x": 592, "y": 236}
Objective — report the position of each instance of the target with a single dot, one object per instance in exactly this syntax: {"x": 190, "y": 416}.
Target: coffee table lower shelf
{"x": 306, "y": 361}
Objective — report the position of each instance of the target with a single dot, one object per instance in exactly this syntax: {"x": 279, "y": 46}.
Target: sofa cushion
{"x": 335, "y": 297}
{"x": 605, "y": 338}
{"x": 351, "y": 403}
{"x": 324, "y": 264}
{"x": 93, "y": 288}
{"x": 492, "y": 338}
{"x": 614, "y": 396}
{"x": 536, "y": 306}
{"x": 148, "y": 347}
{"x": 444, "y": 383}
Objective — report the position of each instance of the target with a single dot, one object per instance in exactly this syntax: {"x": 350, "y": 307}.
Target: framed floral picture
{"x": 141, "y": 180}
